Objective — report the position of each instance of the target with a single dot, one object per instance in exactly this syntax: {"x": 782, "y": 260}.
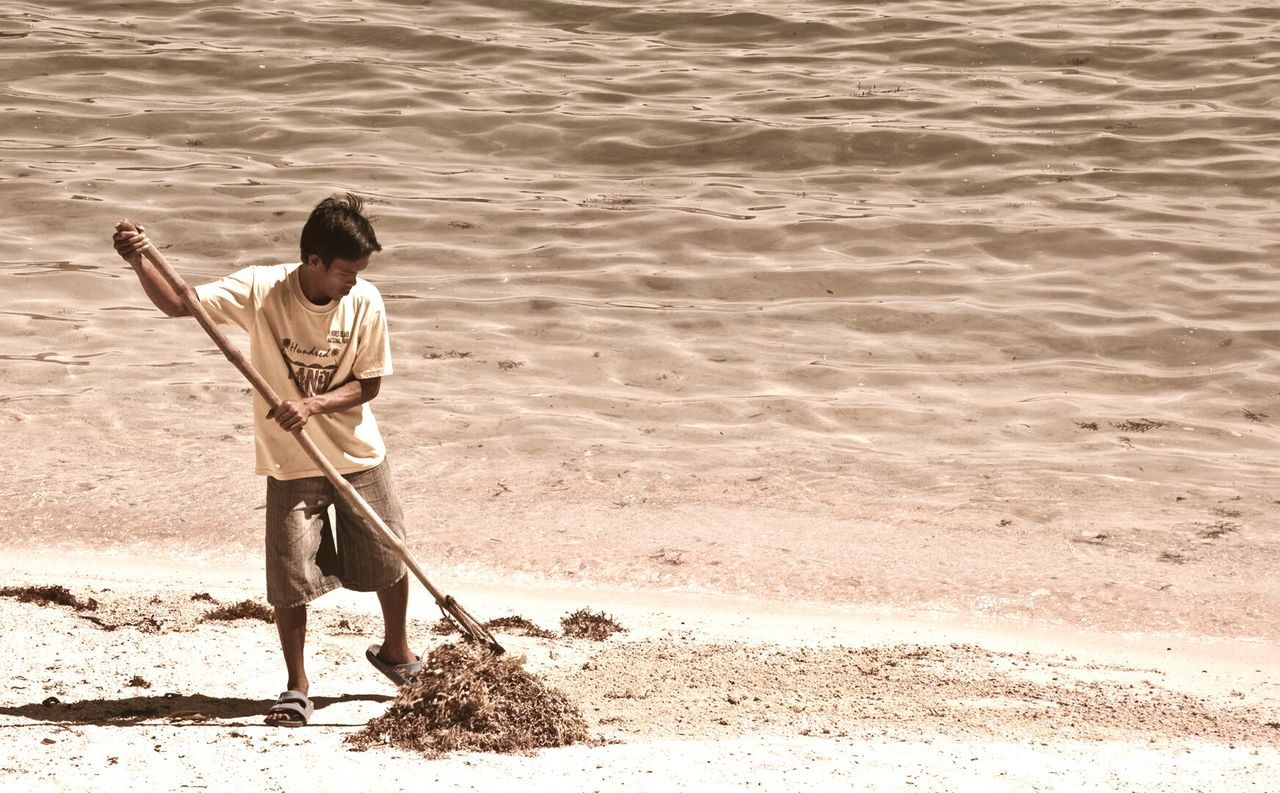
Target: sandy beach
{"x": 901, "y": 376}
{"x": 699, "y": 693}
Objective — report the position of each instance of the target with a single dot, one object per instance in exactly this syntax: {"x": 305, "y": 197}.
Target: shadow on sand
{"x": 175, "y": 708}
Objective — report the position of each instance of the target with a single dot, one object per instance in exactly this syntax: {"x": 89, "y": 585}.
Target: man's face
{"x": 340, "y": 276}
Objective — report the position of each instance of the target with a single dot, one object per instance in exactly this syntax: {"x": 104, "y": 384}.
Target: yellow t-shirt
{"x": 302, "y": 350}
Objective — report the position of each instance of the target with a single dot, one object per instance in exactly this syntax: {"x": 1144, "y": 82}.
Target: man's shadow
{"x": 183, "y": 709}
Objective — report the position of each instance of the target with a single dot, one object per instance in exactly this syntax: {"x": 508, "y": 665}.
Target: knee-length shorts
{"x": 309, "y": 553}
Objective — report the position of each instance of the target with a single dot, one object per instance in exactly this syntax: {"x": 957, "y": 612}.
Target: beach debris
{"x": 466, "y": 698}
{"x": 518, "y": 624}
{"x": 1141, "y": 425}
{"x": 146, "y": 614}
{"x": 1092, "y": 426}
{"x": 1219, "y": 529}
{"x": 1249, "y": 414}
{"x": 49, "y": 595}
{"x": 205, "y": 596}
{"x": 629, "y": 693}
{"x": 138, "y": 682}
{"x": 671, "y": 556}
{"x": 244, "y": 610}
{"x": 445, "y": 627}
{"x": 157, "y": 622}
{"x": 584, "y": 624}
{"x": 434, "y": 356}
{"x": 1092, "y": 537}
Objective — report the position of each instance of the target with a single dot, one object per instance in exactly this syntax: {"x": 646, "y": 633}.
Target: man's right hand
{"x": 130, "y": 244}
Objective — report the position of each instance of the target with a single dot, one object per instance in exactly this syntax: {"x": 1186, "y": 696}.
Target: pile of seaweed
{"x": 244, "y": 610}
{"x": 46, "y": 595}
{"x": 466, "y": 698}
{"x": 581, "y": 624}
{"x": 594, "y": 625}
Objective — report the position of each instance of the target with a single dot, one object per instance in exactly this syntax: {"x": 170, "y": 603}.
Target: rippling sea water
{"x": 1002, "y": 258}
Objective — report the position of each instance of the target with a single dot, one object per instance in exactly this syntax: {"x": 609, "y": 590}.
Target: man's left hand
{"x": 291, "y": 415}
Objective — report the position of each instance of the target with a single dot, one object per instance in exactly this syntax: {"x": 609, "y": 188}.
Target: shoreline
{"x": 873, "y": 698}
{"x": 729, "y": 615}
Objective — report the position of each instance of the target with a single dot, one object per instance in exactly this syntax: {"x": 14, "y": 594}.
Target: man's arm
{"x": 130, "y": 244}
{"x": 294, "y": 413}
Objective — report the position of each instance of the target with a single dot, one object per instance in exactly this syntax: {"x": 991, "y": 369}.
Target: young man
{"x": 318, "y": 335}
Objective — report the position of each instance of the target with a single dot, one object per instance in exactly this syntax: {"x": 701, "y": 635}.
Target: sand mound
{"x": 466, "y": 698}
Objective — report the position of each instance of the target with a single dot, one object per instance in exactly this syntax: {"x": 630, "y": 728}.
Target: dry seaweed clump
{"x": 518, "y": 624}
{"x": 513, "y": 623}
{"x": 445, "y": 627}
{"x": 244, "y": 610}
{"x": 466, "y": 698}
{"x": 583, "y": 624}
{"x": 46, "y": 595}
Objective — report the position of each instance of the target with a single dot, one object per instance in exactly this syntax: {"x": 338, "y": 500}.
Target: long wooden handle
{"x": 446, "y": 603}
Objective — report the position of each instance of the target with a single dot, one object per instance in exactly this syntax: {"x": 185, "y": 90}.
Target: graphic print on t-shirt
{"x": 309, "y": 366}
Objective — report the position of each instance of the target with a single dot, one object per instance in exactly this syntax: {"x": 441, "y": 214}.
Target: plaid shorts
{"x": 310, "y": 553}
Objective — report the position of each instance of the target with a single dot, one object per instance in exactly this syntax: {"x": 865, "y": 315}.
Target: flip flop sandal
{"x": 296, "y": 706}
{"x": 396, "y": 673}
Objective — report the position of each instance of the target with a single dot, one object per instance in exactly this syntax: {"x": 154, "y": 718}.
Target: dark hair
{"x": 337, "y": 230}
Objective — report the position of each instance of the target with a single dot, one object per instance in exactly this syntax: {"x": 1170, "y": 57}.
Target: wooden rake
{"x": 451, "y": 608}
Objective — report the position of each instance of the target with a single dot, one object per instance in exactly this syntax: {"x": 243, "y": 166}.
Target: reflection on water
{"x": 46, "y": 357}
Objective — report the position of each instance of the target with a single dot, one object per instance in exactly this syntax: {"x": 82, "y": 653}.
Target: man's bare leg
{"x": 291, "y": 623}
{"x": 395, "y": 606}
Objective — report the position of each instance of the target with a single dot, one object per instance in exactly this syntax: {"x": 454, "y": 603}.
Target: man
{"x": 318, "y": 335}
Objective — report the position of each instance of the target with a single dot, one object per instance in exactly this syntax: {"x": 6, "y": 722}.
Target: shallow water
{"x": 907, "y": 262}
